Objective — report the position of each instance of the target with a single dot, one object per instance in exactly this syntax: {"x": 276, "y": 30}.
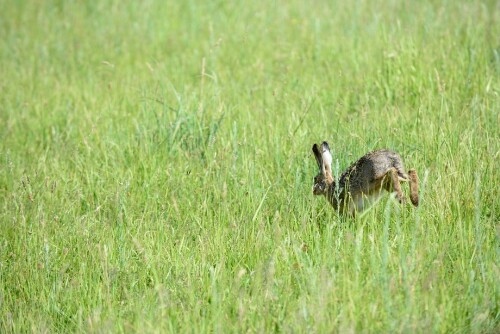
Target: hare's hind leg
{"x": 392, "y": 184}
{"x": 413, "y": 186}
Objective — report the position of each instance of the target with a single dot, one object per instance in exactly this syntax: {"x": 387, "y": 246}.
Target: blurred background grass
{"x": 156, "y": 169}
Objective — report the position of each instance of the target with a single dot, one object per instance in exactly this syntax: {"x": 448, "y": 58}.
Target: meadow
{"x": 156, "y": 166}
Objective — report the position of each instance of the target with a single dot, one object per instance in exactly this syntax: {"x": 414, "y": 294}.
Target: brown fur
{"x": 363, "y": 180}
{"x": 413, "y": 186}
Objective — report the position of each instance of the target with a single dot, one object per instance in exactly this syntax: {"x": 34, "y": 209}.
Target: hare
{"x": 363, "y": 181}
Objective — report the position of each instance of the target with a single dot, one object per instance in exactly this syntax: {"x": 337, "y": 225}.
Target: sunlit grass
{"x": 156, "y": 172}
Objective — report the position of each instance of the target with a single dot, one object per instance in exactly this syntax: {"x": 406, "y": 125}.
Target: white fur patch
{"x": 361, "y": 203}
{"x": 327, "y": 158}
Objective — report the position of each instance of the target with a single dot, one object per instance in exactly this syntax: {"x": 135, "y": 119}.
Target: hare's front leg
{"x": 392, "y": 184}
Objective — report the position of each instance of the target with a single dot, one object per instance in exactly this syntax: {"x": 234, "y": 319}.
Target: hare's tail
{"x": 413, "y": 186}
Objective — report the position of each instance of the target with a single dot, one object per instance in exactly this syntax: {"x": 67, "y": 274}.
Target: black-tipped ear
{"x": 317, "y": 155}
{"x": 325, "y": 146}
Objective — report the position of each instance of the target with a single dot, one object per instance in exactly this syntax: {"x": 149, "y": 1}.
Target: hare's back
{"x": 371, "y": 168}
{"x": 381, "y": 161}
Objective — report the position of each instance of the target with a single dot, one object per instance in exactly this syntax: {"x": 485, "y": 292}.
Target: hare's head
{"x": 324, "y": 179}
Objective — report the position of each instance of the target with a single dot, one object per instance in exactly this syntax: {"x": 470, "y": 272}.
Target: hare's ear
{"x": 325, "y": 146}
{"x": 326, "y": 156}
{"x": 317, "y": 155}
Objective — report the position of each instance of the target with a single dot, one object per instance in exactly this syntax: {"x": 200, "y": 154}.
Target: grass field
{"x": 156, "y": 166}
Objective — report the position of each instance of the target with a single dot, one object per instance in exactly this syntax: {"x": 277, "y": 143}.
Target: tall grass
{"x": 155, "y": 168}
